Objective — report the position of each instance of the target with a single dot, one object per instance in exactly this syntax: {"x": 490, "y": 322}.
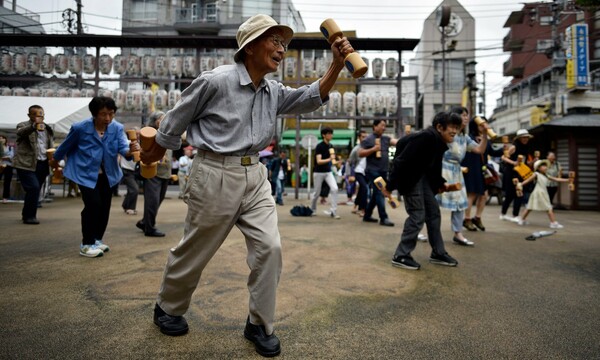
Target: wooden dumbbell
{"x": 378, "y": 142}
{"x": 518, "y": 187}
{"x": 332, "y": 156}
{"x": 132, "y": 136}
{"x": 354, "y": 63}
{"x": 147, "y": 137}
{"x": 380, "y": 184}
{"x": 491, "y": 134}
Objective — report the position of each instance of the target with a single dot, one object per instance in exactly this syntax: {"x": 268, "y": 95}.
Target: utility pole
{"x": 79, "y": 26}
{"x": 482, "y": 94}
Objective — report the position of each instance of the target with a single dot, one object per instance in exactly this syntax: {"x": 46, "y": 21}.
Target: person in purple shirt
{"x": 91, "y": 149}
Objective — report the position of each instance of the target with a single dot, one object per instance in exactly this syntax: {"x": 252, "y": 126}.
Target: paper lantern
{"x": 160, "y": 99}
{"x": 335, "y": 101}
{"x": 174, "y": 97}
{"x": 377, "y": 68}
{"x": 120, "y": 97}
{"x": 206, "y": 63}
{"x": 105, "y": 64}
{"x": 88, "y": 93}
{"x": 33, "y": 92}
{"x": 18, "y": 91}
{"x": 48, "y": 92}
{"x": 190, "y": 66}
{"x": 366, "y": 62}
{"x": 62, "y": 93}
{"x": 307, "y": 67}
{"x": 19, "y": 63}
{"x": 146, "y": 99}
{"x": 47, "y": 63}
{"x": 290, "y": 67}
{"x": 363, "y": 102}
{"x": 106, "y": 93}
{"x": 175, "y": 65}
{"x": 148, "y": 65}
{"x": 349, "y": 103}
{"x": 133, "y": 100}
{"x": 161, "y": 66}
{"x": 119, "y": 64}
{"x": 391, "y": 68}
{"x": 75, "y": 64}
{"x": 61, "y": 63}
{"x": 5, "y": 91}
{"x": 392, "y": 103}
{"x": 34, "y": 62}
{"x": 6, "y": 63}
{"x": 378, "y": 103}
{"x": 134, "y": 65}
{"x": 89, "y": 64}
{"x": 74, "y": 93}
{"x": 321, "y": 66}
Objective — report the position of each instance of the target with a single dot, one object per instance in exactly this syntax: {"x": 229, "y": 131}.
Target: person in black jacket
{"x": 417, "y": 175}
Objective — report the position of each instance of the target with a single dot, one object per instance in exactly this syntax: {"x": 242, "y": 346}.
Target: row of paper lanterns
{"x": 130, "y": 100}
{"x": 364, "y": 102}
{"x": 162, "y": 65}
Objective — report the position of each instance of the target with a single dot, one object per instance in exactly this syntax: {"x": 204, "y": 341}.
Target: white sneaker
{"x": 422, "y": 237}
{"x": 505, "y": 218}
{"x": 556, "y": 225}
{"x": 102, "y": 246}
{"x": 332, "y": 214}
{"x": 523, "y": 222}
{"x": 90, "y": 251}
{"x": 516, "y": 219}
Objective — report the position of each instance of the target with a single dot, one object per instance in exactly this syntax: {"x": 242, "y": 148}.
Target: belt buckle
{"x": 246, "y": 160}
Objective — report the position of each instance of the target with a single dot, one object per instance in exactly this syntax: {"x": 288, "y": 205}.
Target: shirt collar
{"x": 245, "y": 76}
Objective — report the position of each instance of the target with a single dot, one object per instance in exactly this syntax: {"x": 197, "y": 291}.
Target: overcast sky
{"x": 377, "y": 19}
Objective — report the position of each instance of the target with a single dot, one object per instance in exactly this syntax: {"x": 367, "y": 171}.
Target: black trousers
{"x": 155, "y": 190}
{"x": 32, "y": 182}
{"x": 96, "y": 210}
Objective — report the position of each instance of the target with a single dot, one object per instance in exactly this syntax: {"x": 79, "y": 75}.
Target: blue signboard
{"x": 580, "y": 45}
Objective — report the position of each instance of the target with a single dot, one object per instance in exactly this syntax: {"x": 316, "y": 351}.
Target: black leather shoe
{"x": 140, "y": 225}
{"x": 369, "y": 219}
{"x": 31, "y": 221}
{"x": 169, "y": 325}
{"x": 386, "y": 222}
{"x": 155, "y": 233}
{"x": 265, "y": 345}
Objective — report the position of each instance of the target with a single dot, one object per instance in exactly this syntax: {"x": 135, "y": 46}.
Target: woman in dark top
{"x": 474, "y": 179}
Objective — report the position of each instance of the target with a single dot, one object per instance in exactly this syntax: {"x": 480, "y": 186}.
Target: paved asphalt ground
{"x": 339, "y": 297}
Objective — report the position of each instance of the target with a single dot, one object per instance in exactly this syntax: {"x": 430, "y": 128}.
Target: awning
{"x": 341, "y": 137}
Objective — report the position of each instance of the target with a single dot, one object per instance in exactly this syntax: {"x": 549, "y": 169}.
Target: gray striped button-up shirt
{"x": 224, "y": 113}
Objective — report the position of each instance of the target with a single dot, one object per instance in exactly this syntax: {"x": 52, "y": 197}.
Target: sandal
{"x": 130, "y": 212}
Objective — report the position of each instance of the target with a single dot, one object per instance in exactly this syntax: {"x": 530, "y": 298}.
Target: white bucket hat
{"x": 523, "y": 133}
{"x": 255, "y": 27}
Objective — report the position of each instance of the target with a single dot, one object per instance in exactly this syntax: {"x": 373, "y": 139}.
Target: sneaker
{"x": 523, "y": 222}
{"x": 422, "y": 237}
{"x": 102, "y": 246}
{"x": 465, "y": 241}
{"x": 556, "y": 225}
{"x": 516, "y": 219}
{"x": 90, "y": 251}
{"x": 405, "y": 262}
{"x": 505, "y": 217}
{"x": 443, "y": 259}
{"x": 477, "y": 222}
{"x": 468, "y": 224}
{"x": 332, "y": 214}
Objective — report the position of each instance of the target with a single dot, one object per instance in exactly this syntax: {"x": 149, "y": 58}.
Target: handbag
{"x": 490, "y": 176}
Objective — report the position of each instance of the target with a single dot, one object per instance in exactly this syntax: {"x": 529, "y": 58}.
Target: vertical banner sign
{"x": 578, "y": 49}
{"x": 570, "y": 68}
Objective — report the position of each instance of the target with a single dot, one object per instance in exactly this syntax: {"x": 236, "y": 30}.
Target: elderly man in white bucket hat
{"x": 230, "y": 115}
{"x": 522, "y": 147}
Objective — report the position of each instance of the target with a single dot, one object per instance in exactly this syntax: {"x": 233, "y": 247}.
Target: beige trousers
{"x": 222, "y": 193}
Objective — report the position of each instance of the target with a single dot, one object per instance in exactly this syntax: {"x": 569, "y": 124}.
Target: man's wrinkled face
{"x": 268, "y": 51}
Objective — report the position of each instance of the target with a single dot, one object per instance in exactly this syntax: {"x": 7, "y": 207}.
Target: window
{"x": 253, "y": 7}
{"x": 144, "y": 10}
{"x": 543, "y": 45}
{"x": 455, "y": 75}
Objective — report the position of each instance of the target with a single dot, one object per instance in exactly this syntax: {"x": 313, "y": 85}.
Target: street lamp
{"x": 472, "y": 84}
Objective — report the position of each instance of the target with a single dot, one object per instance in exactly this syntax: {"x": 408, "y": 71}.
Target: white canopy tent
{"x": 60, "y": 113}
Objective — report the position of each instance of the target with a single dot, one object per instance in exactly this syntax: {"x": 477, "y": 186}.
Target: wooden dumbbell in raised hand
{"x": 132, "y": 136}
{"x": 491, "y": 134}
{"x": 354, "y": 63}
{"x": 572, "y": 180}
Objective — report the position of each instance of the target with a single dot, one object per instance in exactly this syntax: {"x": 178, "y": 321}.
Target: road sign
{"x": 309, "y": 141}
